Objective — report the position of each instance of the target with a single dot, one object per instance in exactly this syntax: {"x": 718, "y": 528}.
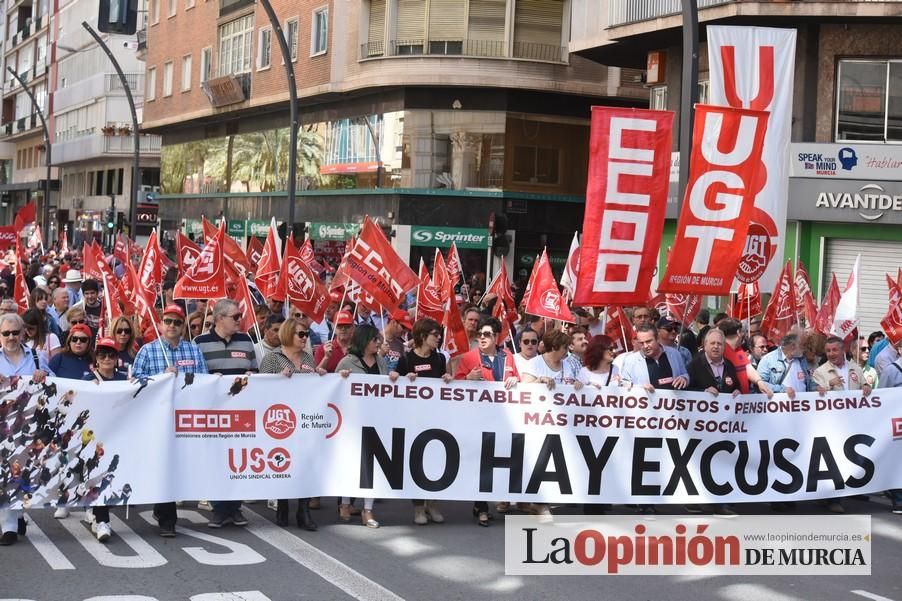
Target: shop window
{"x": 869, "y": 101}
{"x": 536, "y": 165}
{"x": 658, "y": 98}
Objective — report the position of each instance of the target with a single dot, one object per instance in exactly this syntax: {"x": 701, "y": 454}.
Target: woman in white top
{"x": 36, "y": 334}
{"x": 599, "y": 369}
{"x": 550, "y": 368}
{"x": 529, "y": 349}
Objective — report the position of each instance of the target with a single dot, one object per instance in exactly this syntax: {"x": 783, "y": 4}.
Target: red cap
{"x": 81, "y": 328}
{"x": 174, "y": 309}
{"x": 107, "y": 343}
{"x": 343, "y": 318}
{"x": 403, "y": 318}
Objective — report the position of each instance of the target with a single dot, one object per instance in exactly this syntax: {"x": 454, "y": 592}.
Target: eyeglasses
{"x": 173, "y": 322}
{"x": 298, "y": 316}
{"x": 79, "y": 339}
{"x": 236, "y": 317}
{"x": 527, "y": 341}
{"x": 865, "y": 349}
{"x": 208, "y": 325}
{"x": 486, "y": 334}
{"x": 8, "y": 333}
{"x": 106, "y": 355}
{"x": 195, "y": 326}
{"x": 75, "y": 322}
{"x": 302, "y": 334}
{"x": 123, "y": 331}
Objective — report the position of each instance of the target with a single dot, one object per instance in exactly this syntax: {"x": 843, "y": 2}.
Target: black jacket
{"x": 701, "y": 376}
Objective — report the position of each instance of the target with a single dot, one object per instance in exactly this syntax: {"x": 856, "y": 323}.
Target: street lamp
{"x": 689, "y": 91}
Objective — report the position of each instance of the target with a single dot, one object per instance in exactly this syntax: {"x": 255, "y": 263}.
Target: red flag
{"x": 626, "y": 199}
{"x": 36, "y": 241}
{"x": 455, "y": 342}
{"x": 899, "y": 278}
{"x": 429, "y": 300}
{"x": 823, "y": 321}
{"x": 150, "y": 269}
{"x": 205, "y": 278}
{"x": 508, "y": 319}
{"x": 254, "y": 252}
{"x": 25, "y": 215}
{"x": 748, "y": 301}
{"x": 571, "y": 268}
{"x": 186, "y": 252}
{"x": 340, "y": 279}
{"x": 231, "y": 252}
{"x": 64, "y": 242}
{"x": 267, "y": 276}
{"x": 441, "y": 278}
{"x": 246, "y": 306}
{"x": 725, "y": 176}
{"x": 529, "y": 284}
{"x": 804, "y": 297}
{"x": 375, "y": 265}
{"x": 455, "y": 270}
{"x": 683, "y": 308}
{"x": 121, "y": 248}
{"x": 309, "y": 257}
{"x": 780, "y": 314}
{"x": 619, "y": 328}
{"x": 142, "y": 300}
{"x": 545, "y": 299}
{"x": 892, "y": 321}
{"x": 501, "y": 288}
{"x": 300, "y": 286}
{"x": 93, "y": 265}
{"x": 20, "y": 290}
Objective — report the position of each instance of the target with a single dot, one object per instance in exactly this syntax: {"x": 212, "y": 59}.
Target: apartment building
{"x": 429, "y": 114}
{"x": 845, "y": 190}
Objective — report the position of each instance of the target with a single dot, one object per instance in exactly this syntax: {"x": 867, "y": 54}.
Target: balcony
{"x": 89, "y": 144}
{"x": 142, "y": 44}
{"x": 97, "y": 86}
{"x": 470, "y": 48}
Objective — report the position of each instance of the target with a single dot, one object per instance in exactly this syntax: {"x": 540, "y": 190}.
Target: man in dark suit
{"x": 709, "y": 371}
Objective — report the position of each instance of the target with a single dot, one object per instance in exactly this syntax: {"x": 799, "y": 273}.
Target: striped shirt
{"x": 228, "y": 357}
{"x": 151, "y": 359}
{"x": 276, "y": 361}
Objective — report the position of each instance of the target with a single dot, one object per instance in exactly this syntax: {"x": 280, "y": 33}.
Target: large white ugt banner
{"x": 217, "y": 437}
{"x": 752, "y": 67}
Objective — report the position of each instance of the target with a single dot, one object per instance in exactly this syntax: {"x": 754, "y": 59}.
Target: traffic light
{"x": 109, "y": 219}
{"x": 118, "y": 16}
{"x": 501, "y": 244}
{"x": 120, "y": 221}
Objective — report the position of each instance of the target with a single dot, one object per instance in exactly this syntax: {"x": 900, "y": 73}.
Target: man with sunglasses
{"x": 229, "y": 352}
{"x": 16, "y": 359}
{"x": 169, "y": 354}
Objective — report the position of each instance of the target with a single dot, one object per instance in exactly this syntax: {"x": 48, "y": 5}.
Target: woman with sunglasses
{"x": 53, "y": 283}
{"x": 105, "y": 370}
{"x": 599, "y": 369}
{"x": 289, "y": 359}
{"x": 75, "y": 361}
{"x": 36, "y": 334}
{"x": 529, "y": 348}
{"x": 127, "y": 342}
{"x": 362, "y": 358}
{"x": 196, "y": 324}
{"x": 74, "y": 316}
{"x": 424, "y": 361}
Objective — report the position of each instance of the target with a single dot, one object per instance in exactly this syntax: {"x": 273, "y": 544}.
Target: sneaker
{"x": 102, "y": 530}
{"x": 167, "y": 530}
{"x": 61, "y": 513}
{"x": 544, "y": 513}
{"x": 314, "y": 503}
{"x": 503, "y": 507}
{"x": 433, "y": 513}
{"x": 419, "y": 515}
{"x": 238, "y": 518}
{"x": 272, "y": 504}
{"x": 219, "y": 522}
{"x": 204, "y": 505}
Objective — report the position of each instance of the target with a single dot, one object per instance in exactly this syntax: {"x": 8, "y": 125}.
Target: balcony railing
{"x": 95, "y": 86}
{"x": 476, "y": 48}
{"x": 92, "y": 144}
{"x": 624, "y": 12}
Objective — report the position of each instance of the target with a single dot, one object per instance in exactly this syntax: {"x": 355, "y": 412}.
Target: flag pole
{"x": 626, "y": 343}
{"x": 344, "y": 294}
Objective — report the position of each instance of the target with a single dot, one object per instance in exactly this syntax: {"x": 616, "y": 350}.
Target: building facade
{"x": 845, "y": 193}
{"x": 424, "y": 113}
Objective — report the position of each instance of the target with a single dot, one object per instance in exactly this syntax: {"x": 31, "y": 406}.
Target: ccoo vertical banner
{"x": 752, "y": 67}
{"x": 626, "y": 199}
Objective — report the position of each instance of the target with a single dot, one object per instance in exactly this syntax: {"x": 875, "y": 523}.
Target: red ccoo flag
{"x": 823, "y": 321}
{"x": 804, "y": 297}
{"x": 780, "y": 314}
{"x": 378, "y": 269}
{"x": 545, "y": 298}
{"x": 205, "y": 278}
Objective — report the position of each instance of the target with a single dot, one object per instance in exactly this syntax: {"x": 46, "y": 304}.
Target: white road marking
{"x": 239, "y": 596}
{"x": 325, "y": 566}
{"x": 755, "y": 592}
{"x": 868, "y": 595}
{"x": 145, "y": 555}
{"x": 50, "y": 552}
{"x": 122, "y": 598}
{"x": 238, "y": 555}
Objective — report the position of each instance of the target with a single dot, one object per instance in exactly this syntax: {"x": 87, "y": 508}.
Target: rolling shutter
{"x": 878, "y": 257}
{"x": 538, "y": 22}
{"x": 376, "y": 33}
{"x": 446, "y": 20}
{"x": 411, "y": 21}
{"x": 486, "y": 21}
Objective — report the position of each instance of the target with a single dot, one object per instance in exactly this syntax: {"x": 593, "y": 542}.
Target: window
{"x": 319, "y": 36}
{"x": 291, "y": 36}
{"x": 536, "y": 165}
{"x": 658, "y": 100}
{"x": 235, "y": 46}
{"x": 186, "y": 73}
{"x": 206, "y": 63}
{"x": 173, "y": 7}
{"x": 154, "y": 11}
{"x": 704, "y": 91}
{"x": 167, "y": 79}
{"x": 264, "y": 49}
{"x": 151, "y": 91}
{"x": 869, "y": 101}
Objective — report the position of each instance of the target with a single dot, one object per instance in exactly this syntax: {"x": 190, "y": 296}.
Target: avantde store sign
{"x": 442, "y": 237}
{"x": 845, "y": 200}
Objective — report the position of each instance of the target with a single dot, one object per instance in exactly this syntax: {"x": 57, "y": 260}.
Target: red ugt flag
{"x": 429, "y": 300}
{"x": 205, "y": 278}
{"x": 780, "y": 314}
{"x": 626, "y": 199}
{"x": 823, "y": 321}
{"x": 300, "y": 286}
{"x": 545, "y": 299}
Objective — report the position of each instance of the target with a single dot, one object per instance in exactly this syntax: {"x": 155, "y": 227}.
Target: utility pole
{"x": 688, "y": 92}
{"x": 45, "y": 209}
{"x": 136, "y": 167}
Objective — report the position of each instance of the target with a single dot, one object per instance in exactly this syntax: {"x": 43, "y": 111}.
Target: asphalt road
{"x": 60, "y": 560}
